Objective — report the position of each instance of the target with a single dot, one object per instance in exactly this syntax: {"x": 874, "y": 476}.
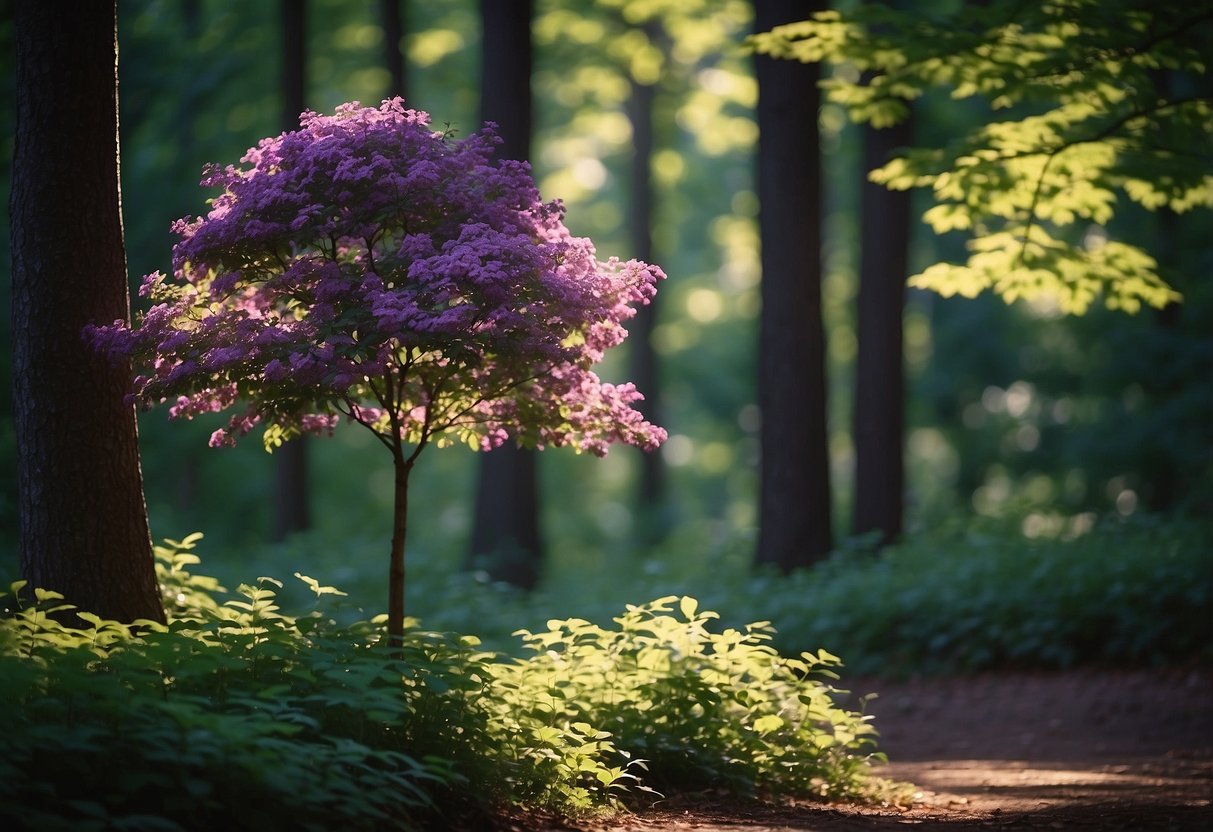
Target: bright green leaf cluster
{"x": 1108, "y": 99}
{"x": 698, "y": 707}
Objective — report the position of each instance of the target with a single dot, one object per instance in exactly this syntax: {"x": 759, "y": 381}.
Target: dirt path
{"x": 1084, "y": 750}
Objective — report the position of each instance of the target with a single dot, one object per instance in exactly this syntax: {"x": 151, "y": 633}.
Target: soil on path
{"x": 1089, "y": 750}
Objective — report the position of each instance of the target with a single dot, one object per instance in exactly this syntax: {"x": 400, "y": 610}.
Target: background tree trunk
{"x": 643, "y": 370}
{"x": 506, "y": 538}
{"x": 292, "y": 510}
{"x": 794, "y": 486}
{"x": 391, "y": 18}
{"x": 83, "y": 521}
{"x": 879, "y": 412}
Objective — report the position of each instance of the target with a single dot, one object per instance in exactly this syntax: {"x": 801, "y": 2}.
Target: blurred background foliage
{"x": 1034, "y": 421}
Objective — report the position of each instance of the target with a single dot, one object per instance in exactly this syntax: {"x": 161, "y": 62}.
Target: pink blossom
{"x": 365, "y": 264}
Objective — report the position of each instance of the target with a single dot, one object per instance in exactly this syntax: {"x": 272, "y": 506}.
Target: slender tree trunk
{"x": 505, "y": 74}
{"x": 643, "y": 370}
{"x": 794, "y": 489}
{"x": 505, "y": 536}
{"x": 1165, "y": 477}
{"x": 293, "y": 17}
{"x": 292, "y": 511}
{"x": 400, "y": 511}
{"x": 83, "y": 521}
{"x": 393, "y": 35}
{"x": 879, "y": 415}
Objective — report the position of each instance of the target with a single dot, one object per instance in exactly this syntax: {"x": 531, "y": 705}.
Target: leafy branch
{"x": 1093, "y": 66}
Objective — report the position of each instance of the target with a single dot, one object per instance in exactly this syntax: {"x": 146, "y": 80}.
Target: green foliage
{"x": 235, "y": 715}
{"x": 1018, "y": 412}
{"x": 1035, "y": 589}
{"x": 698, "y": 707}
{"x": 1135, "y": 593}
{"x": 1106, "y": 100}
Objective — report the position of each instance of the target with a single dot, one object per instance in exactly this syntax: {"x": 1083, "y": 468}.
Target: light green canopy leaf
{"x": 1091, "y": 102}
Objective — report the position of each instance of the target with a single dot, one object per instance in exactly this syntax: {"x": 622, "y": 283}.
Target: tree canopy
{"x": 1092, "y": 103}
{"x": 369, "y": 258}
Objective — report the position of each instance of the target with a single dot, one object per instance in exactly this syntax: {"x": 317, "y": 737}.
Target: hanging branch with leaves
{"x": 1103, "y": 101}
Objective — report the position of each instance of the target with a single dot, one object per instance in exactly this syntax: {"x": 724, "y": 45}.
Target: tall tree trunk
{"x": 391, "y": 18}
{"x": 292, "y": 511}
{"x": 794, "y": 489}
{"x": 879, "y": 415}
{"x": 83, "y": 521}
{"x": 505, "y": 537}
{"x": 643, "y": 363}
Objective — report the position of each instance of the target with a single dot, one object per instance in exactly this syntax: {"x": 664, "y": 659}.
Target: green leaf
{"x": 91, "y": 618}
{"x": 768, "y": 723}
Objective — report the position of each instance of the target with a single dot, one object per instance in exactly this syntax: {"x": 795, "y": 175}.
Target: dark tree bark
{"x": 794, "y": 488}
{"x": 643, "y": 358}
{"x": 393, "y": 34}
{"x": 879, "y": 415}
{"x": 505, "y": 74}
{"x": 506, "y": 538}
{"x": 83, "y": 521}
{"x": 292, "y": 510}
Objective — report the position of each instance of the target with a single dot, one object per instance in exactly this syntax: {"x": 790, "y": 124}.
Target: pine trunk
{"x": 392, "y": 19}
{"x": 83, "y": 520}
{"x": 505, "y": 537}
{"x": 292, "y": 509}
{"x": 794, "y": 489}
{"x": 643, "y": 363}
{"x": 879, "y": 417}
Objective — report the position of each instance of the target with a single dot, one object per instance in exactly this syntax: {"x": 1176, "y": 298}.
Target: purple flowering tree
{"x": 367, "y": 267}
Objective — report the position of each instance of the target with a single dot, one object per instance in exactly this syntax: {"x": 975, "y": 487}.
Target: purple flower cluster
{"x": 369, "y": 266}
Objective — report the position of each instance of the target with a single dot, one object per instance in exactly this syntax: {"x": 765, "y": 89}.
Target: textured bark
{"x": 83, "y": 521}
{"x": 794, "y": 488}
{"x": 292, "y": 509}
{"x": 879, "y": 415}
{"x": 391, "y": 19}
{"x": 506, "y": 537}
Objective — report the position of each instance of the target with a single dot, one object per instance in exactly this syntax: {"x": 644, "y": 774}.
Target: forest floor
{"x": 1086, "y": 750}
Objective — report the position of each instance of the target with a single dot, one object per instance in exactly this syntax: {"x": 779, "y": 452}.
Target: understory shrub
{"x": 1135, "y": 592}
{"x": 698, "y": 707}
{"x": 238, "y": 716}
{"x": 977, "y": 595}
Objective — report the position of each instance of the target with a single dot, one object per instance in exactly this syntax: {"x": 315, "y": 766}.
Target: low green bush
{"x": 977, "y": 594}
{"x": 699, "y": 707}
{"x": 238, "y": 716}
{"x": 980, "y": 596}
{"x": 232, "y": 716}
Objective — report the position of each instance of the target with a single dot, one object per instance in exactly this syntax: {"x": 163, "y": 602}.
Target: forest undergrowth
{"x": 240, "y": 714}
{"x": 237, "y": 715}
